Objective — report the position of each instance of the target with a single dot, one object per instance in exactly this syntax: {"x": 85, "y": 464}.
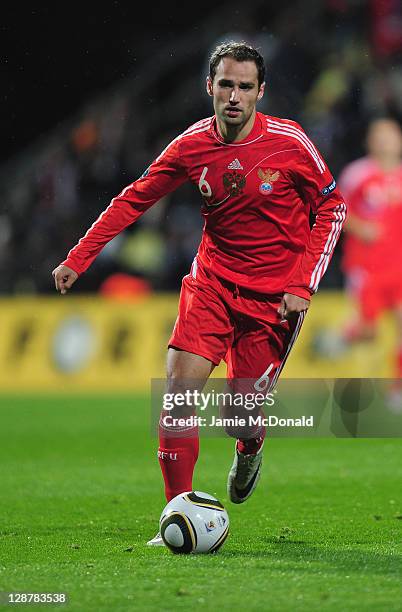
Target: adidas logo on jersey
{"x": 235, "y": 165}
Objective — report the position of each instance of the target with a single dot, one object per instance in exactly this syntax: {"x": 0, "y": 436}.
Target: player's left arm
{"x": 318, "y": 189}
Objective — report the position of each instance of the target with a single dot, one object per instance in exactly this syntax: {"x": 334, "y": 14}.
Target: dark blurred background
{"x": 91, "y": 97}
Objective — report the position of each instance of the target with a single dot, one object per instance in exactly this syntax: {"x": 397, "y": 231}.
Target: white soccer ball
{"x": 194, "y": 522}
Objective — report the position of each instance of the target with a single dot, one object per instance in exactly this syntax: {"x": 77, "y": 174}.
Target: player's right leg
{"x": 178, "y": 446}
{"x": 200, "y": 339}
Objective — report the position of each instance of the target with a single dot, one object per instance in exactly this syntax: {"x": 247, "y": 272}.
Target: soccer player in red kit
{"x": 259, "y": 262}
{"x": 372, "y": 262}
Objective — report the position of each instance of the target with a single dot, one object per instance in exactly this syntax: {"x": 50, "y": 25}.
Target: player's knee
{"x": 176, "y": 383}
{"x": 180, "y": 395}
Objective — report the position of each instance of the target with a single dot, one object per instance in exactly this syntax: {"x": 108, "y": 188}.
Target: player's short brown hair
{"x": 239, "y": 51}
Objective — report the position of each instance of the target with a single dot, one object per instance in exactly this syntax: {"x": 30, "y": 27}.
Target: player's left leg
{"x": 255, "y": 361}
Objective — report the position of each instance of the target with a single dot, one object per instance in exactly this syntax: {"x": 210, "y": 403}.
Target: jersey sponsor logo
{"x": 329, "y": 188}
{"x": 234, "y": 183}
{"x": 267, "y": 177}
{"x": 235, "y": 165}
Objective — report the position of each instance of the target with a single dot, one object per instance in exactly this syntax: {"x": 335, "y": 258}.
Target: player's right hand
{"x": 64, "y": 277}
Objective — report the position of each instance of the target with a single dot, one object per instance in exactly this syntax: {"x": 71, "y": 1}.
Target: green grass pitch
{"x": 81, "y": 493}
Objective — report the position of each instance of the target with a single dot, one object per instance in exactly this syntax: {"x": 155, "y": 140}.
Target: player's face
{"x": 235, "y": 91}
{"x": 385, "y": 139}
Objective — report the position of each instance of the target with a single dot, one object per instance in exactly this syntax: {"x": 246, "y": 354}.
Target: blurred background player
{"x": 372, "y": 251}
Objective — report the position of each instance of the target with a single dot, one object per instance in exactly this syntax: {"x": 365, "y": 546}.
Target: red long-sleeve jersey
{"x": 257, "y": 195}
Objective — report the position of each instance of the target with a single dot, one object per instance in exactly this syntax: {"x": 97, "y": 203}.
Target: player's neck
{"x": 235, "y": 133}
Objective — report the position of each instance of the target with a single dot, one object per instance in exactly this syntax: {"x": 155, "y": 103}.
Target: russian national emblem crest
{"x": 267, "y": 178}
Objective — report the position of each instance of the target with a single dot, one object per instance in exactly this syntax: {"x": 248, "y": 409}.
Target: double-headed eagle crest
{"x": 267, "y": 177}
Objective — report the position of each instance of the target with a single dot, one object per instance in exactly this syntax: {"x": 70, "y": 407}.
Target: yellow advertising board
{"x": 92, "y": 343}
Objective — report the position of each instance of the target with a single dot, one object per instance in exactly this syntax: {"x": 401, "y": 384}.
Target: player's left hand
{"x": 291, "y": 306}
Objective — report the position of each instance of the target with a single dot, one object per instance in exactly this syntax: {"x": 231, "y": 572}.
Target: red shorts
{"x": 375, "y": 293}
{"x": 218, "y": 320}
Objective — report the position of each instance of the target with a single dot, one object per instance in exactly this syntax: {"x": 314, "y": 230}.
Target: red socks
{"x": 177, "y": 454}
{"x": 253, "y": 445}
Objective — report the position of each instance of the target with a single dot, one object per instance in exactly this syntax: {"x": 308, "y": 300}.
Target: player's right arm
{"x": 164, "y": 175}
